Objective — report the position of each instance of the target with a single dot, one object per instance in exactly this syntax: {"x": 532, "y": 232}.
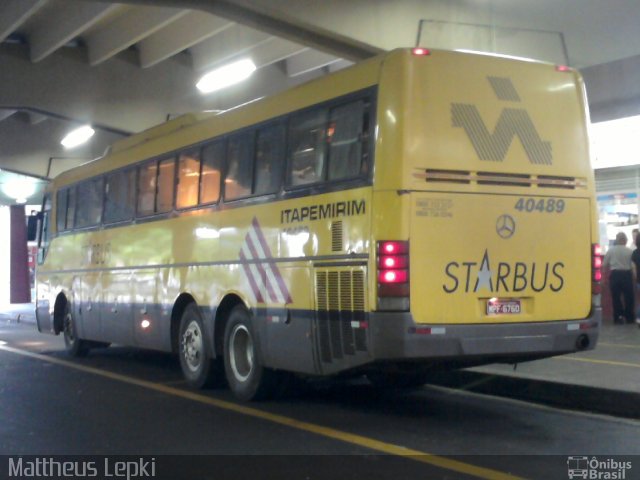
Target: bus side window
{"x": 146, "y": 188}
{"x": 237, "y": 182}
{"x": 212, "y": 162}
{"x": 119, "y": 196}
{"x": 89, "y": 209}
{"x": 62, "y": 198}
{"x": 345, "y": 135}
{"x": 166, "y": 181}
{"x": 269, "y": 159}
{"x": 71, "y": 209}
{"x": 188, "y": 179}
{"x": 306, "y": 147}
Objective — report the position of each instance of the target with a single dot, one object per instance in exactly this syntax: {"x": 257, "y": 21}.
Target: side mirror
{"x": 32, "y": 226}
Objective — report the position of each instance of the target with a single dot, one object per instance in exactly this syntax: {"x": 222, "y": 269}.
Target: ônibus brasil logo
{"x": 596, "y": 469}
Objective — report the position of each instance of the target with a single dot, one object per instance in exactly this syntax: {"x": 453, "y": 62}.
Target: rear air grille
{"x": 336, "y": 236}
{"x": 499, "y": 178}
{"x": 486, "y": 178}
{"x": 450, "y": 176}
{"x": 341, "y": 303}
{"x": 548, "y": 181}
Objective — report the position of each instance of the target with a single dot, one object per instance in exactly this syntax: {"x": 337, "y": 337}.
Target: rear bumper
{"x": 395, "y": 336}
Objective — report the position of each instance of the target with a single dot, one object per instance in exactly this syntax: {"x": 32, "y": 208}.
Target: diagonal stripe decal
{"x": 262, "y": 273}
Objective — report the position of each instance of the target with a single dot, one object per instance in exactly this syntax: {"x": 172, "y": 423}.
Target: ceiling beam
{"x": 14, "y": 13}
{"x": 35, "y": 118}
{"x": 308, "y": 61}
{"x": 127, "y": 30}
{"x": 185, "y": 32}
{"x": 274, "y": 50}
{"x": 68, "y": 22}
{"x": 227, "y": 44}
{"x": 6, "y": 113}
{"x": 275, "y": 23}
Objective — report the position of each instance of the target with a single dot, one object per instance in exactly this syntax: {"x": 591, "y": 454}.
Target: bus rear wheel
{"x": 198, "y": 368}
{"x": 248, "y": 379}
{"x": 75, "y": 346}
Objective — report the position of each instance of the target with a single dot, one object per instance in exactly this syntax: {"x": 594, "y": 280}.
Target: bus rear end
{"x": 485, "y": 247}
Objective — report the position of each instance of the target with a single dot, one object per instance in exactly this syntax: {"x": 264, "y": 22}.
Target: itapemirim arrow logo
{"x": 513, "y": 122}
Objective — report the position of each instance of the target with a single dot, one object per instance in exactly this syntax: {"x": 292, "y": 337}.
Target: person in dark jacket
{"x": 621, "y": 279}
{"x": 635, "y": 258}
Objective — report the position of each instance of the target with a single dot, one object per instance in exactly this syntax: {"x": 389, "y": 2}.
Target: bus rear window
{"x": 345, "y": 139}
{"x": 306, "y": 147}
{"x": 269, "y": 163}
{"x": 147, "y": 188}
{"x": 120, "y": 192}
{"x": 212, "y": 161}
{"x": 89, "y": 209}
{"x": 188, "y": 179}
{"x": 237, "y": 183}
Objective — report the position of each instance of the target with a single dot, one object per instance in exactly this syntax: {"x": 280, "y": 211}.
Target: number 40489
{"x": 548, "y": 205}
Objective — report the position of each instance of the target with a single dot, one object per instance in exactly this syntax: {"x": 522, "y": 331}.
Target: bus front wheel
{"x": 197, "y": 366}
{"x": 247, "y": 378}
{"x": 75, "y": 346}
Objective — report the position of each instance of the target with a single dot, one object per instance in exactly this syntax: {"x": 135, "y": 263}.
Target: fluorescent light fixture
{"x": 19, "y": 189}
{"x": 225, "y": 76}
{"x": 78, "y": 136}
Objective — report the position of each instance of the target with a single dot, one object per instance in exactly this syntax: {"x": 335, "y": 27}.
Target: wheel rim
{"x": 68, "y": 328}
{"x": 241, "y": 352}
{"x": 192, "y": 346}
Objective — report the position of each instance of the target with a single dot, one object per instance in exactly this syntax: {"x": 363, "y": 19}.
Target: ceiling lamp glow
{"x": 225, "y": 76}
{"x": 78, "y": 136}
{"x": 20, "y": 189}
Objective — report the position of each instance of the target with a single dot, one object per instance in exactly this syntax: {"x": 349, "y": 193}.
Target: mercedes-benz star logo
{"x": 506, "y": 226}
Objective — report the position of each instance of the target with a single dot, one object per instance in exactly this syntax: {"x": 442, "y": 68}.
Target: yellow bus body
{"x": 461, "y": 142}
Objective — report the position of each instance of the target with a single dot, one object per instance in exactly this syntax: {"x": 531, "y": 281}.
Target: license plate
{"x": 495, "y": 306}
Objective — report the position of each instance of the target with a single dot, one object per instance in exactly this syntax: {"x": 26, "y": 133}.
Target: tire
{"x": 75, "y": 346}
{"x": 397, "y": 380}
{"x": 198, "y": 368}
{"x": 248, "y": 379}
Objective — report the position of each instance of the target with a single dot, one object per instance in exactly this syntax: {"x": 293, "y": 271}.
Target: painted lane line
{"x": 604, "y": 362}
{"x": 617, "y": 345}
{"x": 354, "y": 439}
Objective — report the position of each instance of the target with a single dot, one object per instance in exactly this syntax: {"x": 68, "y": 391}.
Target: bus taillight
{"x": 420, "y": 52}
{"x": 393, "y": 275}
{"x": 596, "y": 268}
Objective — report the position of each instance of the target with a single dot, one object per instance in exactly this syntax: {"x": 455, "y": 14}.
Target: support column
{"x": 19, "y": 289}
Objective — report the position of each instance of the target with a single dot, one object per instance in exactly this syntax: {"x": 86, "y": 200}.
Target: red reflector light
{"x": 563, "y": 68}
{"x": 393, "y": 276}
{"x": 596, "y": 255}
{"x": 389, "y": 262}
{"x": 420, "y": 51}
{"x": 392, "y": 248}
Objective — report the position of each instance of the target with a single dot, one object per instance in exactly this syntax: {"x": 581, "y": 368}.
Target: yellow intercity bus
{"x": 418, "y": 211}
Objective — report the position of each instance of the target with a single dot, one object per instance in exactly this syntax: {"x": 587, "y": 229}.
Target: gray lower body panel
{"x": 395, "y": 336}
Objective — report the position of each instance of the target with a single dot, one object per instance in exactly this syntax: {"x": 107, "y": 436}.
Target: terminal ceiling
{"x": 128, "y": 65}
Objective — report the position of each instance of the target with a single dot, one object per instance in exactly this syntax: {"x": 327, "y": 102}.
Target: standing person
{"x": 635, "y": 258}
{"x": 621, "y": 279}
